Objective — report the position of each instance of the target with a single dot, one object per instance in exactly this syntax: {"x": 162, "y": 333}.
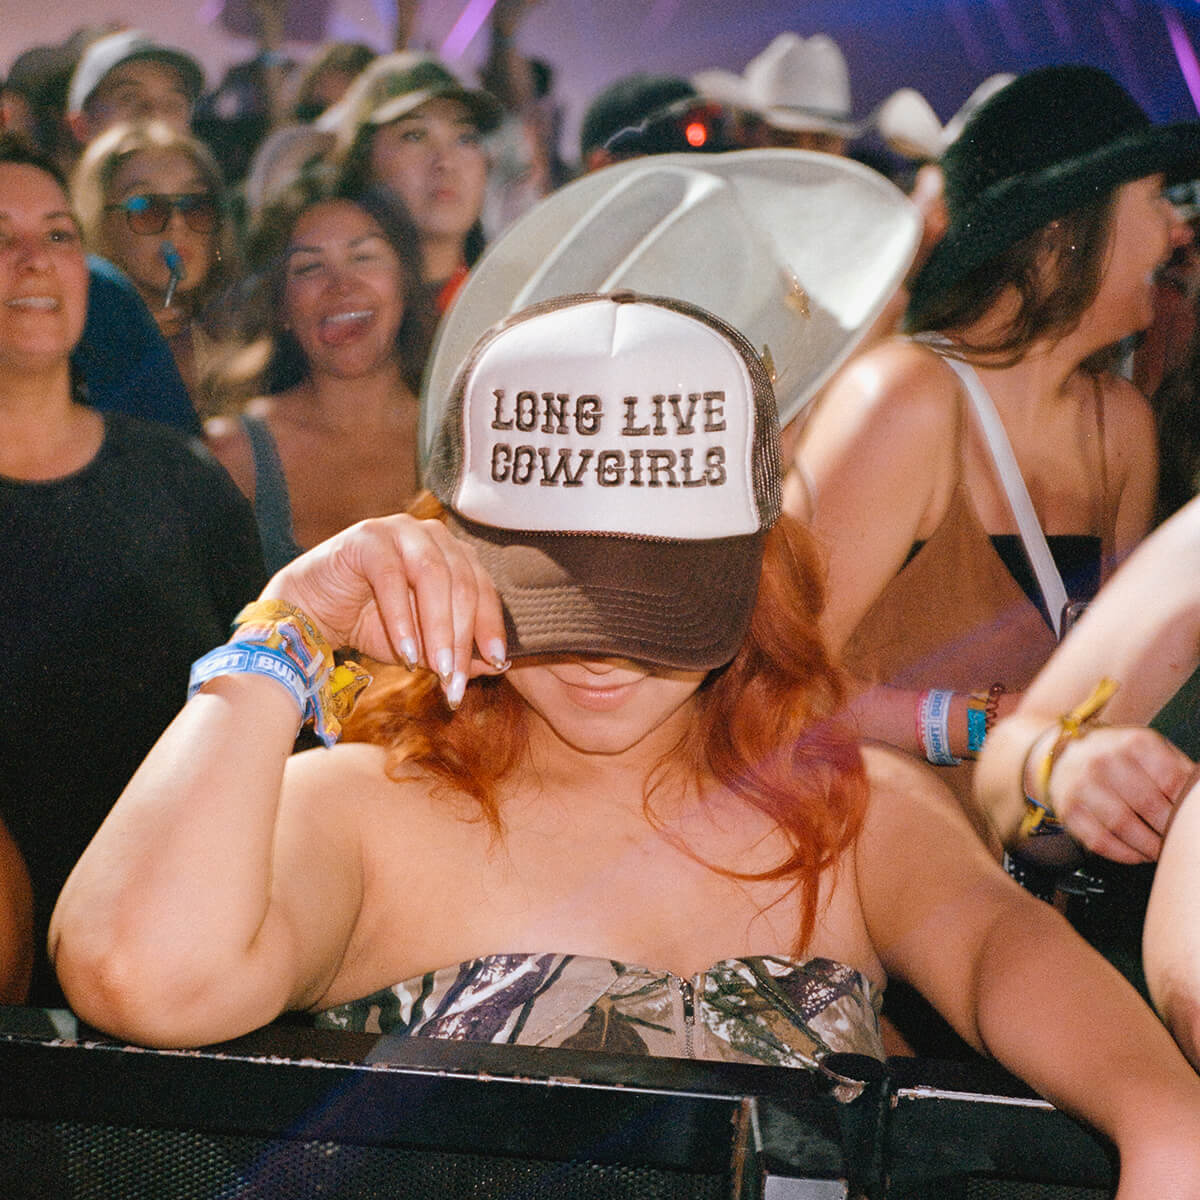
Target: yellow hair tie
{"x": 1071, "y": 725}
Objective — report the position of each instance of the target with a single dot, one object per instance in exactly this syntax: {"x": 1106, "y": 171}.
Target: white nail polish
{"x": 496, "y": 655}
{"x": 444, "y": 663}
{"x": 408, "y": 651}
{"x": 456, "y": 689}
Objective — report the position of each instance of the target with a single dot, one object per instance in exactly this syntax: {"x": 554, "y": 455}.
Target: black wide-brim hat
{"x": 1048, "y": 143}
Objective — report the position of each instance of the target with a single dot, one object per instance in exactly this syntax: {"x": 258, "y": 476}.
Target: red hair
{"x": 766, "y": 727}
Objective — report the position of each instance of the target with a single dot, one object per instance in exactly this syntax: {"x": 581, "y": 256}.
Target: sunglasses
{"x": 151, "y": 211}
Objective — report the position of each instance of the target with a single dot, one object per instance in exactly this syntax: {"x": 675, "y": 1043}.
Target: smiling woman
{"x": 122, "y": 544}
{"x": 45, "y": 278}
{"x": 336, "y": 298}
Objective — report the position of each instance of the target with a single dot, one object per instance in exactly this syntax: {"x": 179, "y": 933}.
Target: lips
{"x": 34, "y": 303}
{"x": 599, "y": 692}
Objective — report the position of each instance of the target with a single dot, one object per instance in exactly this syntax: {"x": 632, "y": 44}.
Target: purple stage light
{"x": 466, "y": 27}
{"x": 1185, "y": 53}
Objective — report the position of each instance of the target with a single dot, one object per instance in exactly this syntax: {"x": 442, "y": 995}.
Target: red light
{"x": 696, "y": 133}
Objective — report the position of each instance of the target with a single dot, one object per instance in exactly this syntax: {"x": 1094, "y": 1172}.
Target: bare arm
{"x": 878, "y": 456}
{"x": 1113, "y": 788}
{"x": 1017, "y": 982}
{"x": 507, "y": 73}
{"x": 874, "y": 472}
{"x": 224, "y": 886}
{"x": 176, "y": 927}
{"x": 406, "y": 21}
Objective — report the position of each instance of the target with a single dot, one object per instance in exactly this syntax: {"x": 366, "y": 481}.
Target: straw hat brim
{"x": 798, "y": 250}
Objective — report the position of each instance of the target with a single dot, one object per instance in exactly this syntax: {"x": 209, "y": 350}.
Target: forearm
{"x": 166, "y": 905}
{"x": 999, "y": 774}
{"x": 507, "y": 73}
{"x": 893, "y": 715}
{"x": 1054, "y": 1012}
{"x": 1112, "y": 788}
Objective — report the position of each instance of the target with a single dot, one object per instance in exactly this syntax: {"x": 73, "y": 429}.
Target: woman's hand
{"x": 400, "y": 589}
{"x": 1114, "y": 790}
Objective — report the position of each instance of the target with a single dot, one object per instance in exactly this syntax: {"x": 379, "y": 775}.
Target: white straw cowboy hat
{"x": 907, "y": 123}
{"x": 796, "y": 83}
{"x": 798, "y": 250}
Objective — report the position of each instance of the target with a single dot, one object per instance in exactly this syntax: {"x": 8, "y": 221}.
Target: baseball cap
{"x": 627, "y": 103}
{"x": 113, "y": 49}
{"x": 394, "y": 85}
{"x": 614, "y": 461}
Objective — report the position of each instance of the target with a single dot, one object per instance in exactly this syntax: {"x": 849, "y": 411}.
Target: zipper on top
{"x": 687, "y": 996}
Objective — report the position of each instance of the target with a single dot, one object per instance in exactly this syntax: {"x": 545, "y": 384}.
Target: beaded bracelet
{"x": 982, "y": 710}
{"x": 1038, "y": 811}
{"x": 276, "y": 639}
{"x": 991, "y": 706}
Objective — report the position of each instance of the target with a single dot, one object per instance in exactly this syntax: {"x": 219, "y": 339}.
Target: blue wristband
{"x": 976, "y": 729}
{"x": 243, "y": 658}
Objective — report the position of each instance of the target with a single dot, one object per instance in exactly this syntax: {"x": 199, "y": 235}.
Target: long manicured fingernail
{"x": 408, "y": 651}
{"x": 497, "y": 656}
{"x": 444, "y": 664}
{"x": 456, "y": 689}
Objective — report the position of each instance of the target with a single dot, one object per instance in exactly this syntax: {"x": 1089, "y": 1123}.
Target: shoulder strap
{"x": 1049, "y": 580}
{"x": 272, "y": 505}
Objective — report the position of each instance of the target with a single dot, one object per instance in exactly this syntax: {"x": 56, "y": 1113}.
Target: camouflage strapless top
{"x": 775, "y": 1010}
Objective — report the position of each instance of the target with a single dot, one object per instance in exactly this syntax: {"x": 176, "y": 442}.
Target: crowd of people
{"x": 651, "y": 722}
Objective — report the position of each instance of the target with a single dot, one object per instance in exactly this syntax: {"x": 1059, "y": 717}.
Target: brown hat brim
{"x": 681, "y": 604}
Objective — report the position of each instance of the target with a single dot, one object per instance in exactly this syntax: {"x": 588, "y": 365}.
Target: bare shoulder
{"x": 898, "y": 779}
{"x": 920, "y": 867}
{"x": 339, "y": 773}
{"x": 896, "y": 389}
{"x": 910, "y": 807}
{"x": 894, "y": 373}
{"x": 357, "y": 780}
{"x": 1126, "y": 410}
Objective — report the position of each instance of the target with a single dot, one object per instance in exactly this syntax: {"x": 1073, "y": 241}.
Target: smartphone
{"x": 1072, "y": 611}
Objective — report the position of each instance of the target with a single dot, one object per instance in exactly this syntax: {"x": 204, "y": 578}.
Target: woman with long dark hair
{"x": 333, "y": 439}
{"x": 976, "y": 479}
